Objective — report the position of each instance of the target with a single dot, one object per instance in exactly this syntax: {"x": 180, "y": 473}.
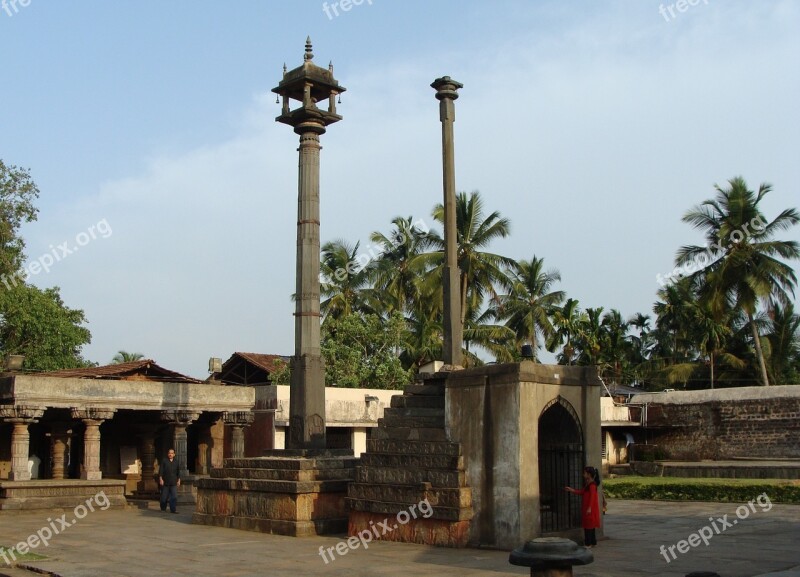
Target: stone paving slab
{"x": 146, "y": 542}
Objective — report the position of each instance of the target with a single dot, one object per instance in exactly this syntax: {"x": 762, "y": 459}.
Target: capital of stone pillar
{"x": 92, "y": 417}
{"x": 21, "y": 413}
{"x": 20, "y": 416}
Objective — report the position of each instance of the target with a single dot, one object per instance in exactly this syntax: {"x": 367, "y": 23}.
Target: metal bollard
{"x": 551, "y": 556}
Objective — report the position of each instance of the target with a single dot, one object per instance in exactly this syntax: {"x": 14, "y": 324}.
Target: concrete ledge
{"x": 60, "y": 494}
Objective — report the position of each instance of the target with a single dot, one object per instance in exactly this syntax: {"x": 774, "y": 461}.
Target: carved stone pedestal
{"x": 298, "y": 493}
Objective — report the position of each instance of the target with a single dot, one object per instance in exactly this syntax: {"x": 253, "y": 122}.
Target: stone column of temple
{"x": 307, "y": 386}
{"x": 238, "y": 420}
{"x": 147, "y": 450}
{"x": 92, "y": 418}
{"x": 59, "y": 449}
{"x": 21, "y": 417}
{"x": 203, "y": 445}
{"x": 179, "y": 421}
{"x": 447, "y": 92}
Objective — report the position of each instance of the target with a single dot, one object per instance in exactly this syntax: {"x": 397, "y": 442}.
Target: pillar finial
{"x": 309, "y": 55}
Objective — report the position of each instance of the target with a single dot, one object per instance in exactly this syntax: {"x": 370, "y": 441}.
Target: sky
{"x": 150, "y": 130}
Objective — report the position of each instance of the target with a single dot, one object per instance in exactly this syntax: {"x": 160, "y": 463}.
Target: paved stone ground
{"x": 146, "y": 542}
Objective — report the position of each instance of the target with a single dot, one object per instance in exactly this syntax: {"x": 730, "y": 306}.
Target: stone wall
{"x": 746, "y": 422}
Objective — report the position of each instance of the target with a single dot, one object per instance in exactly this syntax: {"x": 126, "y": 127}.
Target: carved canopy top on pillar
{"x": 92, "y": 413}
{"x": 240, "y": 418}
{"x": 180, "y": 416}
{"x": 21, "y": 413}
{"x": 309, "y": 84}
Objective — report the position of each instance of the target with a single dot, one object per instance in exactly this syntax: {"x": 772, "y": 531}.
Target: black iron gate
{"x": 561, "y": 462}
{"x": 560, "y": 465}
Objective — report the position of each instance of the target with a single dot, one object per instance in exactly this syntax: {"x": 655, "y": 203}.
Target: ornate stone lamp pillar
{"x": 59, "y": 449}
{"x": 179, "y": 421}
{"x": 446, "y": 93}
{"x": 21, "y": 417}
{"x": 238, "y": 420}
{"x": 92, "y": 417}
{"x": 308, "y": 84}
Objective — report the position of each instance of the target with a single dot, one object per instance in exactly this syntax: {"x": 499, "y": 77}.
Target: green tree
{"x": 567, "y": 321}
{"x": 17, "y": 194}
{"x": 783, "y": 339}
{"x": 400, "y": 270}
{"x": 35, "y": 323}
{"x": 480, "y": 271}
{"x": 126, "y": 357}
{"x": 346, "y": 279}
{"x": 748, "y": 271}
{"x": 362, "y": 351}
{"x": 530, "y": 302}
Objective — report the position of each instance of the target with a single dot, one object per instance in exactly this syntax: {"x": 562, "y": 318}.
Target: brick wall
{"x": 726, "y": 429}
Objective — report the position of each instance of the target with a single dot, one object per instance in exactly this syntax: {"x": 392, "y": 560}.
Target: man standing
{"x": 169, "y": 478}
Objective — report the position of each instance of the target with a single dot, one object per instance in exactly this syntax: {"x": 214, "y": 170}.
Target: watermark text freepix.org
{"x": 332, "y": 10}
{"x": 717, "y": 526}
{"x": 57, "y": 253}
{"x": 11, "y": 7}
{"x": 384, "y": 527}
{"x": 55, "y": 527}
{"x": 681, "y": 6}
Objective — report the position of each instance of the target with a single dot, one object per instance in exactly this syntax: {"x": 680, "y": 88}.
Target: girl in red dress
{"x": 590, "y": 505}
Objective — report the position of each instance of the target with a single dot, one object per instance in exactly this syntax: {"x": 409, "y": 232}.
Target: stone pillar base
{"x": 91, "y": 475}
{"x": 294, "y": 493}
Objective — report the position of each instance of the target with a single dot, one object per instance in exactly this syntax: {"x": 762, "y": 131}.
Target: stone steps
{"x": 283, "y": 474}
{"x": 409, "y": 447}
{"x": 411, "y": 467}
{"x": 416, "y": 461}
{"x": 436, "y": 496}
{"x": 415, "y": 401}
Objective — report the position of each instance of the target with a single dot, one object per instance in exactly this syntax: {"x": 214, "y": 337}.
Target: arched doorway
{"x": 561, "y": 459}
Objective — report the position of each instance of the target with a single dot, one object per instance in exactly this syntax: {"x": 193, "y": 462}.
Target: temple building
{"x": 113, "y": 422}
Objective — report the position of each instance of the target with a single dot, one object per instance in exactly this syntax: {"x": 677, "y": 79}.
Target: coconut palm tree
{"x": 567, "y": 321}
{"x": 126, "y": 357}
{"x": 748, "y": 271}
{"x": 345, "y": 279}
{"x": 784, "y": 343}
{"x": 530, "y": 302}
{"x": 480, "y": 272}
{"x": 399, "y": 270}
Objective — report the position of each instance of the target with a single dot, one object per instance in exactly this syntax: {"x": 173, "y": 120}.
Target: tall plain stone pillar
{"x": 21, "y": 417}
{"x": 238, "y": 420}
{"x": 447, "y": 92}
{"x": 92, "y": 418}
{"x": 310, "y": 85}
{"x": 59, "y": 450}
{"x": 179, "y": 421}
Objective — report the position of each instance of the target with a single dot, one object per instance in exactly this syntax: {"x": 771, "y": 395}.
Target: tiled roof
{"x": 144, "y": 369}
{"x": 266, "y": 362}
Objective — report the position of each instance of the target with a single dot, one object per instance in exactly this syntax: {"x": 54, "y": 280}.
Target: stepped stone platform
{"x": 411, "y": 485}
{"x": 298, "y": 493}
